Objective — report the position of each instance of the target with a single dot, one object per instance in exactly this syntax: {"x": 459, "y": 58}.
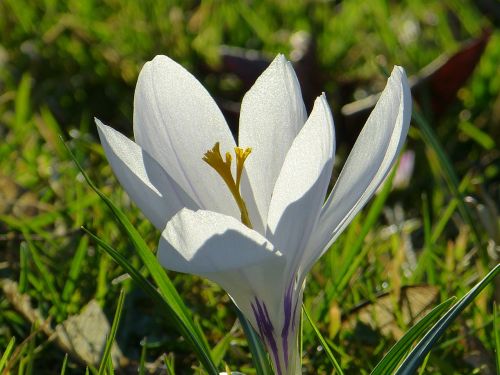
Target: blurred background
{"x": 62, "y": 63}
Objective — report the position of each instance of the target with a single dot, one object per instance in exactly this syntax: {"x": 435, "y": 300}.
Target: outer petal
{"x": 239, "y": 259}
{"x": 176, "y": 122}
{"x": 205, "y": 242}
{"x": 369, "y": 162}
{"x": 272, "y": 114}
{"x": 146, "y": 182}
{"x": 301, "y": 186}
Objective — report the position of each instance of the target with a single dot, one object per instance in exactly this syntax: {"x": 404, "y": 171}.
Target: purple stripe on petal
{"x": 266, "y": 330}
{"x": 259, "y": 321}
{"x": 287, "y": 306}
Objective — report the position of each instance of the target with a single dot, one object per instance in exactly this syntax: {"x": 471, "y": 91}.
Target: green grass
{"x": 62, "y": 63}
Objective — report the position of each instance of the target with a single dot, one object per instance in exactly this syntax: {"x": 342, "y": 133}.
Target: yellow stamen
{"x": 241, "y": 155}
{"x": 214, "y": 158}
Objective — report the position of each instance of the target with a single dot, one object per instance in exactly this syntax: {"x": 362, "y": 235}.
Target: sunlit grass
{"x": 61, "y": 63}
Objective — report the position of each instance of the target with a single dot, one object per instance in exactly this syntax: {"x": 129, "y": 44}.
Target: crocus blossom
{"x": 253, "y": 218}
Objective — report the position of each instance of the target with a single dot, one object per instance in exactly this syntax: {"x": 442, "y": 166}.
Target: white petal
{"x": 222, "y": 249}
{"x": 176, "y": 121}
{"x": 301, "y": 186}
{"x": 239, "y": 259}
{"x": 272, "y": 114}
{"x": 369, "y": 162}
{"x": 150, "y": 187}
{"x": 205, "y": 242}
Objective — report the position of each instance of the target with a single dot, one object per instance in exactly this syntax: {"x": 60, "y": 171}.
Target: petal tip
{"x": 280, "y": 63}
{"x": 157, "y": 62}
{"x": 160, "y": 60}
{"x": 280, "y": 58}
{"x": 321, "y": 100}
{"x": 398, "y": 76}
{"x": 398, "y": 69}
{"x": 99, "y": 123}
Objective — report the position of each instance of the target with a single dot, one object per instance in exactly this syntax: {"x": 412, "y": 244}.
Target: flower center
{"x": 214, "y": 158}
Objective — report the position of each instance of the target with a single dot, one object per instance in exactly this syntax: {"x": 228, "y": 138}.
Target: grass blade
{"x": 397, "y": 352}
{"x": 22, "y": 104}
{"x": 186, "y": 326}
{"x": 259, "y": 355}
{"x": 142, "y": 358}
{"x": 220, "y": 350}
{"x": 64, "y": 365}
{"x": 169, "y": 362}
{"x": 46, "y": 277}
{"x": 6, "y": 353}
{"x": 23, "y": 265}
{"x": 355, "y": 253}
{"x": 112, "y": 334}
{"x": 450, "y": 176}
{"x": 496, "y": 329}
{"x": 418, "y": 354}
{"x": 74, "y": 271}
{"x": 188, "y": 333}
{"x": 323, "y": 343}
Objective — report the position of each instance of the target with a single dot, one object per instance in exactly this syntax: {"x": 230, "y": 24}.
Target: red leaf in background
{"x": 446, "y": 75}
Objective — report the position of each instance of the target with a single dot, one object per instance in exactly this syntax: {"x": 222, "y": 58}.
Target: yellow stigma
{"x": 214, "y": 158}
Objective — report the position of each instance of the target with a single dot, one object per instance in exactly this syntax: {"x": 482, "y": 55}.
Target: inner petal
{"x": 176, "y": 121}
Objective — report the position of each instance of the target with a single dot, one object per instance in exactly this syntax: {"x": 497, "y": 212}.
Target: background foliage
{"x": 64, "y": 62}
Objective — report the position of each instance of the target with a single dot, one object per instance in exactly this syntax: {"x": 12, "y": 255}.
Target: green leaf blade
{"x": 418, "y": 354}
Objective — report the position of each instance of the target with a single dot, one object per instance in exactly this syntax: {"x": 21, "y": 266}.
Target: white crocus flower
{"x": 255, "y": 226}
